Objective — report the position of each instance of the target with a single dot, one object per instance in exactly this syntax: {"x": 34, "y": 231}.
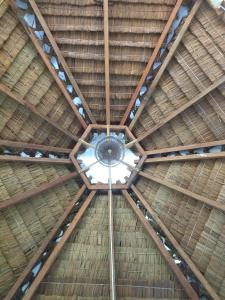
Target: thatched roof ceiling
{"x": 183, "y": 115}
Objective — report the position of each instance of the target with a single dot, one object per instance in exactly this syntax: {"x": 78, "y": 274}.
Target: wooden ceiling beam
{"x": 63, "y": 63}
{"x": 181, "y": 109}
{"x": 151, "y": 232}
{"x": 151, "y": 60}
{"x": 58, "y": 248}
{"x": 31, "y": 146}
{"x": 21, "y": 197}
{"x": 34, "y": 110}
{"x": 17, "y": 158}
{"x": 106, "y": 56}
{"x": 187, "y": 157}
{"x": 165, "y": 63}
{"x": 185, "y": 147}
{"x": 176, "y": 245}
{"x": 186, "y": 192}
{"x": 12, "y": 292}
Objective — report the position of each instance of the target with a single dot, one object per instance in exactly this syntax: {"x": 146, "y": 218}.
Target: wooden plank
{"x": 164, "y": 182}
{"x": 186, "y": 157}
{"x": 106, "y": 56}
{"x": 181, "y": 109}
{"x": 166, "y": 61}
{"x": 33, "y": 109}
{"x": 151, "y": 60}
{"x": 31, "y": 146}
{"x": 61, "y": 58}
{"x": 56, "y": 251}
{"x": 12, "y": 292}
{"x": 15, "y": 158}
{"x": 36, "y": 191}
{"x": 186, "y": 147}
{"x": 177, "y": 272}
{"x": 176, "y": 245}
{"x": 49, "y": 66}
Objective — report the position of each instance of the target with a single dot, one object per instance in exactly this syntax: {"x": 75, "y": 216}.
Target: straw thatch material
{"x": 198, "y": 228}
{"x": 198, "y": 62}
{"x": 24, "y": 226}
{"x": 23, "y": 72}
{"x": 81, "y": 270}
{"x": 134, "y": 31}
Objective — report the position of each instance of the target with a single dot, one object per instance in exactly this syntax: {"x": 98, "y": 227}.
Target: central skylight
{"x": 108, "y": 154}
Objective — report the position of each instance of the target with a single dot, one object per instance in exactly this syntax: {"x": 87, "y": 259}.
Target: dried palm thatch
{"x": 24, "y": 226}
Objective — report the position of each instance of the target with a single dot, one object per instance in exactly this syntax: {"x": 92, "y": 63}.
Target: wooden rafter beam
{"x": 36, "y": 191}
{"x": 151, "y": 60}
{"x": 106, "y": 51}
{"x": 46, "y": 61}
{"x": 12, "y": 292}
{"x": 17, "y": 158}
{"x": 181, "y": 109}
{"x": 176, "y": 245}
{"x": 34, "y": 110}
{"x": 31, "y": 146}
{"x": 201, "y": 156}
{"x": 177, "y": 272}
{"x": 166, "y": 61}
{"x": 188, "y": 147}
{"x": 186, "y": 192}
{"x": 61, "y": 59}
{"x": 56, "y": 251}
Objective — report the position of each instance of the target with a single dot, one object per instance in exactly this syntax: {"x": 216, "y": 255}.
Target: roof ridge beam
{"x": 21, "y": 197}
{"x": 12, "y": 292}
{"x": 34, "y": 110}
{"x": 174, "y": 268}
{"x": 184, "y": 147}
{"x": 186, "y": 192}
{"x": 31, "y": 146}
{"x": 151, "y": 60}
{"x": 166, "y": 61}
{"x": 176, "y": 245}
{"x": 18, "y": 158}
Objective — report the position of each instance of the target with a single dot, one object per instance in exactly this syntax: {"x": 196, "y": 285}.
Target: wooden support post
{"x": 181, "y": 109}
{"x": 166, "y": 61}
{"x": 61, "y": 58}
{"x": 12, "y": 292}
{"x": 51, "y": 259}
{"x": 14, "y": 158}
{"x": 38, "y": 147}
{"x": 36, "y": 191}
{"x": 106, "y": 49}
{"x": 186, "y": 147}
{"x": 164, "y": 182}
{"x": 176, "y": 245}
{"x": 34, "y": 110}
{"x": 152, "y": 60}
{"x": 177, "y": 272}
{"x": 111, "y": 241}
{"x": 186, "y": 157}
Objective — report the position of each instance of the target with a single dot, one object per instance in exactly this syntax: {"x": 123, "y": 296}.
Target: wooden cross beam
{"x": 176, "y": 245}
{"x": 41, "y": 160}
{"x": 177, "y": 272}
